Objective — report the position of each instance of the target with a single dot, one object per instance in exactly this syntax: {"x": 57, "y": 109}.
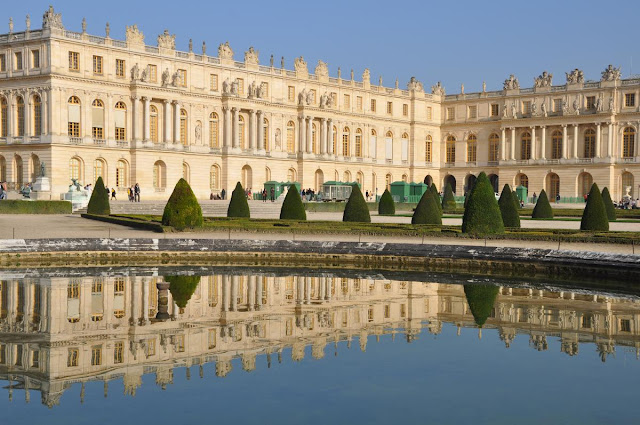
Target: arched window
{"x": 3, "y": 117}
{"x": 628, "y": 142}
{"x": 405, "y": 178}
{"x": 214, "y": 177}
{"x": 522, "y": 180}
{"x": 556, "y": 145}
{"x": 291, "y": 175}
{"x": 183, "y": 127}
{"x": 97, "y": 119}
{"x": 346, "y": 177}
{"x": 346, "y": 136}
{"x": 159, "y": 175}
{"x": 20, "y": 117}
{"x": 589, "y": 143}
{"x": 121, "y": 121}
{"x": 37, "y": 116}
{"x": 74, "y": 117}
{"x": 360, "y": 178}
{"x": 472, "y": 148}
{"x": 315, "y": 146}
{"x": 428, "y": 149}
{"x": 451, "y": 150}
{"x": 387, "y": 181}
{"x": 153, "y": 124}
{"x": 241, "y": 131}
{"x": 34, "y": 167}
{"x": 19, "y": 170}
{"x": 99, "y": 170}
{"x": 553, "y": 186}
{"x": 267, "y": 174}
{"x": 214, "y": 131}
{"x": 265, "y": 134}
{"x": 335, "y": 140}
{"x": 359, "y": 143}
{"x": 291, "y": 137}
{"x": 585, "y": 180}
{"x": 627, "y": 184}
{"x": 319, "y": 180}
{"x": 525, "y": 146}
{"x": 122, "y": 174}
{"x": 186, "y": 172}
{"x": 3, "y": 169}
{"x": 494, "y": 144}
{"x": 75, "y": 169}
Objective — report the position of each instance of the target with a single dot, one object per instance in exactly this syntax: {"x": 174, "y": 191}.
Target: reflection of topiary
{"x": 182, "y": 288}
{"x": 481, "y": 299}
{"x": 182, "y": 210}
{"x": 594, "y": 216}
{"x": 427, "y": 211}
{"x": 238, "y": 206}
{"x": 99, "y": 202}
{"x": 608, "y": 205}
{"x": 542, "y": 208}
{"x": 292, "y": 208}
{"x": 386, "y": 206}
{"x": 356, "y": 209}
{"x": 436, "y": 196}
{"x": 448, "y": 201}
{"x": 482, "y": 215}
{"x": 510, "y": 216}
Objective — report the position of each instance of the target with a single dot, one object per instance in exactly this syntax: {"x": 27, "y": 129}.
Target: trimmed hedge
{"x": 356, "y": 209}
{"x": 543, "y": 208}
{"x": 595, "y": 213}
{"x": 436, "y": 196}
{"x": 99, "y": 201}
{"x": 292, "y": 207}
{"x": 386, "y": 206}
{"x": 448, "y": 201}
{"x": 182, "y": 210}
{"x": 482, "y": 215}
{"x": 182, "y": 289}
{"x": 427, "y": 211}
{"x": 510, "y": 216}
{"x": 238, "y": 206}
{"x": 481, "y": 299}
{"x": 127, "y": 221}
{"x": 608, "y": 205}
{"x": 35, "y": 207}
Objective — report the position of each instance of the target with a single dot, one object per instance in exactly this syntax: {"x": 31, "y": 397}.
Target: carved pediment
{"x": 322, "y": 70}
{"x": 251, "y": 56}
{"x": 134, "y": 35}
{"x": 167, "y": 41}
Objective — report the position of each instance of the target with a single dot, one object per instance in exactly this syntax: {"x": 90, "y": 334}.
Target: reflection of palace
{"x": 61, "y": 331}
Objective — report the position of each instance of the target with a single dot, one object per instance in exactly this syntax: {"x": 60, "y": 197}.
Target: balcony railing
{"x": 75, "y": 140}
{"x": 628, "y": 160}
{"x": 99, "y": 142}
{"x": 122, "y": 143}
{"x": 585, "y": 160}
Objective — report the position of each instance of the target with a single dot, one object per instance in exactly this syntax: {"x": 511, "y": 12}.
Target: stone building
{"x": 132, "y": 112}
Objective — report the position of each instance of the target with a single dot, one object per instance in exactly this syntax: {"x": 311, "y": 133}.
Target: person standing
{"x": 223, "y": 194}
{"x": 113, "y": 194}
{"x": 264, "y": 195}
{"x": 273, "y": 194}
{"x": 136, "y": 192}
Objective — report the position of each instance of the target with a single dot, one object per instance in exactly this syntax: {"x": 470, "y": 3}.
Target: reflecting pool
{"x": 222, "y": 345}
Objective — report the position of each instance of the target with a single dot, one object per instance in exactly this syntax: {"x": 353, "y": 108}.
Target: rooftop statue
{"x": 52, "y": 20}
{"x": 438, "y": 89}
{"x": 251, "y": 56}
{"x": 322, "y": 70}
{"x": 414, "y": 84}
{"x": 543, "y": 80}
{"x": 225, "y": 51}
{"x": 511, "y": 83}
{"x": 167, "y": 41}
{"x": 611, "y": 74}
{"x": 575, "y": 77}
{"x": 300, "y": 65}
{"x": 134, "y": 35}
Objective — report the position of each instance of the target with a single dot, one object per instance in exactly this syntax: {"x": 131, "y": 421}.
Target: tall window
{"x": 451, "y": 150}
{"x": 589, "y": 143}
{"x": 18, "y": 61}
{"x": 214, "y": 140}
{"x": 122, "y": 179}
{"x": 153, "y": 73}
{"x": 525, "y": 146}
{"x": 359, "y": 103}
{"x": 97, "y": 65}
{"x": 120, "y": 121}
{"x": 405, "y": 110}
{"x": 389, "y": 108}
{"x": 183, "y": 127}
{"x": 630, "y": 100}
{"x": 74, "y": 61}
{"x": 451, "y": 113}
{"x": 214, "y": 177}
{"x": 97, "y": 123}
{"x": 20, "y": 117}
{"x": 523, "y": 180}
{"x": 74, "y": 168}
{"x": 359, "y": 143}
{"x": 335, "y": 140}
{"x": 265, "y": 90}
{"x": 628, "y": 142}
{"x": 373, "y": 105}
{"x": 159, "y": 175}
{"x": 314, "y": 139}
{"x": 429, "y": 113}
{"x": 554, "y": 186}
{"x": 240, "y": 85}
{"x": 182, "y": 77}
{"x": 96, "y": 355}
{"x": 472, "y": 148}
{"x": 428, "y": 149}
{"x": 3, "y": 117}
{"x": 120, "y": 68}
{"x": 291, "y": 137}
{"x": 291, "y": 94}
{"x": 118, "y": 352}
{"x": 556, "y": 145}
{"x": 494, "y": 143}
{"x": 265, "y": 133}
{"x": 37, "y": 115}
{"x": 347, "y": 101}
{"x": 3, "y": 63}
{"x": 99, "y": 170}
{"x": 241, "y": 131}
{"x": 346, "y": 135}
{"x": 153, "y": 124}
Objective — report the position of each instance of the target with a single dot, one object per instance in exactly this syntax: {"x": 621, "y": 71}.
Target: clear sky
{"x": 451, "y": 41}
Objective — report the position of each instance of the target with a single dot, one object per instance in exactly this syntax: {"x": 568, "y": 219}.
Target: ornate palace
{"x": 90, "y": 106}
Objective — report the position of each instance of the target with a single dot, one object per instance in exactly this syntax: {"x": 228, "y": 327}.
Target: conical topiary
{"x": 238, "y": 206}
{"x": 182, "y": 288}
{"x": 516, "y": 200}
{"x": 427, "y": 211}
{"x": 482, "y": 215}
{"x": 542, "y": 209}
{"x": 448, "y": 201}
{"x": 436, "y": 196}
{"x": 99, "y": 201}
{"x": 594, "y": 216}
{"x": 386, "y": 206}
{"x": 292, "y": 207}
{"x": 510, "y": 216}
{"x": 356, "y": 209}
{"x": 481, "y": 299}
{"x": 182, "y": 210}
{"x": 608, "y": 205}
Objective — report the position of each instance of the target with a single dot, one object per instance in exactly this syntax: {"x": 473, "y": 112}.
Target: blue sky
{"x": 451, "y": 41}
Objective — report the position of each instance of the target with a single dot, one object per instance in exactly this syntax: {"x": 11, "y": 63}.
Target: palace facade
{"x": 89, "y": 106}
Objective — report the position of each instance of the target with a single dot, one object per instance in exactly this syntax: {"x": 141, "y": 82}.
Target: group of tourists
{"x": 134, "y": 193}
{"x": 218, "y": 196}
{"x": 308, "y": 194}
{"x": 628, "y": 204}
{"x": 268, "y": 196}
{"x": 3, "y": 190}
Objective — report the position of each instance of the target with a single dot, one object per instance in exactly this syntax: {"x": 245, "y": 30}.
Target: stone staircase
{"x": 258, "y": 209}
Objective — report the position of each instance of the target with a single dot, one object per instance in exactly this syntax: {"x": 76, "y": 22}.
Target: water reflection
{"x": 59, "y": 331}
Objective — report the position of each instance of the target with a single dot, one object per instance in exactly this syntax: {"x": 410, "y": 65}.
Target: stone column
{"x": 10, "y": 116}
{"x": 236, "y": 127}
{"x": 27, "y": 116}
{"x": 323, "y": 136}
{"x": 299, "y": 289}
{"x": 234, "y": 293}
{"x": 258, "y": 305}
{"x": 513, "y": 143}
{"x": 503, "y": 145}
{"x": 543, "y": 143}
{"x": 598, "y": 141}
{"x": 310, "y": 135}
{"x": 146, "y": 122}
{"x": 145, "y": 301}
{"x": 564, "y": 141}
{"x": 575, "y": 140}
{"x": 167, "y": 122}
{"x": 226, "y": 127}
{"x": 252, "y": 129}
{"x": 45, "y": 96}
{"x": 610, "y": 140}
{"x": 330, "y": 137}
{"x": 176, "y": 122}
{"x": 533, "y": 142}
{"x": 251, "y": 293}
{"x": 135, "y": 113}
{"x": 260, "y": 124}
{"x": 303, "y": 132}
{"x": 307, "y": 295}
{"x": 226, "y": 292}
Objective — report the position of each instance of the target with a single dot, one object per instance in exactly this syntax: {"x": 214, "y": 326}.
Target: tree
{"x": 542, "y": 210}
{"x": 182, "y": 210}
{"x": 182, "y": 288}
{"x": 449, "y": 201}
{"x": 606, "y": 198}
{"x": 99, "y": 201}
{"x": 594, "y": 216}
{"x": 238, "y": 206}
{"x": 386, "y": 206}
{"x": 436, "y": 196}
{"x": 510, "y": 216}
{"x": 481, "y": 299}
{"x": 292, "y": 207}
{"x": 356, "y": 209}
{"x": 427, "y": 211}
{"x": 482, "y": 215}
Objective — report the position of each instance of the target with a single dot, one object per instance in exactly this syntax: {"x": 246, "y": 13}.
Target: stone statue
{"x": 330, "y": 102}
{"x": 300, "y": 65}
{"x": 251, "y": 56}
{"x": 52, "y": 20}
{"x": 253, "y": 90}
{"x": 302, "y": 97}
{"x": 225, "y": 51}
{"x": 323, "y": 100}
{"x": 534, "y": 108}
{"x": 165, "y": 77}
{"x": 397, "y": 84}
{"x": 543, "y": 108}
{"x": 380, "y": 81}
{"x": 204, "y": 48}
{"x": 575, "y": 77}
{"x": 278, "y": 139}
{"x": 271, "y": 61}
{"x": 576, "y": 106}
{"x": 611, "y": 104}
{"x": 234, "y": 87}
{"x": 167, "y": 41}
{"x": 191, "y": 45}
{"x": 84, "y": 25}
{"x": 135, "y": 72}
{"x": 351, "y": 74}
{"x": 339, "y": 73}
{"x": 484, "y": 87}
{"x": 514, "y": 111}
{"x": 414, "y": 84}
{"x": 322, "y": 70}
{"x": 175, "y": 79}
{"x": 144, "y": 75}
{"x": 28, "y": 23}
{"x": 462, "y": 88}
{"x": 438, "y": 89}
{"x": 310, "y": 98}
{"x": 611, "y": 74}
{"x": 505, "y": 113}
{"x": 282, "y": 62}
{"x": 42, "y": 170}
{"x": 565, "y": 107}
{"x": 198, "y": 132}
{"x": 10, "y": 25}
{"x": 226, "y": 87}
{"x": 107, "y": 30}
{"x": 261, "y": 92}
{"x": 366, "y": 76}
{"x": 511, "y": 83}
{"x": 543, "y": 80}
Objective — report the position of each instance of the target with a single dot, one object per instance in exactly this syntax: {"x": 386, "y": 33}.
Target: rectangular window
{"x": 74, "y": 129}
{"x": 473, "y": 112}
{"x": 429, "y": 113}
{"x": 35, "y": 359}
{"x": 241, "y": 85}
{"x": 428, "y": 153}
{"x": 591, "y": 102}
{"x": 451, "y": 152}
{"x": 151, "y": 347}
{"x": 213, "y": 82}
{"x": 557, "y": 105}
{"x": 359, "y": 103}
{"x": 96, "y": 355}
{"x": 97, "y": 133}
{"x": 73, "y": 355}
{"x": 74, "y": 61}
{"x": 347, "y": 101}
{"x": 526, "y": 107}
{"x": 120, "y": 67}
{"x": 3, "y": 63}
{"x": 451, "y": 114}
{"x": 212, "y": 339}
{"x": 373, "y": 105}
{"x": 265, "y": 90}
{"x": 625, "y": 325}
{"x": 182, "y": 74}
{"x": 630, "y": 100}
{"x": 389, "y": 107}
{"x": 334, "y": 99}
{"x": 291, "y": 94}
{"x": 495, "y": 110}
{"x": 153, "y": 74}
{"x": 179, "y": 343}
{"x": 18, "y": 61}
{"x": 35, "y": 59}
{"x": 405, "y": 110}
{"x": 118, "y": 352}
{"x": 120, "y": 134}
{"x": 312, "y": 94}
{"x": 97, "y": 65}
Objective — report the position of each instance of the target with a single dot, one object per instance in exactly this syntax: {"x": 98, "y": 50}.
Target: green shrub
{"x": 482, "y": 215}
{"x": 510, "y": 216}
{"x": 436, "y": 196}
{"x": 182, "y": 210}
{"x": 595, "y": 213}
{"x": 448, "y": 201}
{"x": 516, "y": 200}
{"x": 292, "y": 207}
{"x": 481, "y": 299}
{"x": 238, "y": 206}
{"x": 386, "y": 205}
{"x": 356, "y": 209}
{"x": 99, "y": 201}
{"x": 543, "y": 208}
{"x": 182, "y": 288}
{"x": 427, "y": 211}
{"x": 34, "y": 207}
{"x": 608, "y": 205}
